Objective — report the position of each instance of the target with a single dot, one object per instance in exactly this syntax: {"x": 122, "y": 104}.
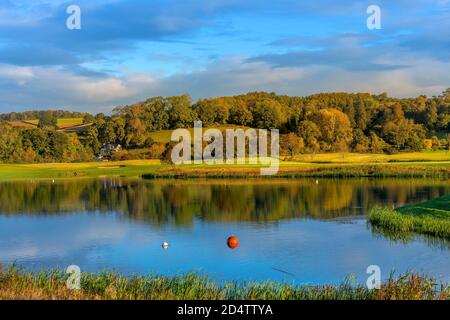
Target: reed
{"x": 429, "y": 218}
{"x": 15, "y": 284}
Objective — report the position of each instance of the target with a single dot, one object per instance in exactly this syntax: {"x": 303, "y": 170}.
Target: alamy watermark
{"x": 234, "y": 147}
{"x": 374, "y": 20}
{"x": 374, "y": 280}
{"x": 73, "y": 22}
{"x": 74, "y": 280}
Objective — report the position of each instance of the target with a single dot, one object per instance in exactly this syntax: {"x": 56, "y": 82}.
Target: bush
{"x": 157, "y": 150}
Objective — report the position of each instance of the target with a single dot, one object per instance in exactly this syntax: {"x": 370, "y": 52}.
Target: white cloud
{"x": 50, "y": 87}
{"x": 236, "y": 76}
{"x": 19, "y": 75}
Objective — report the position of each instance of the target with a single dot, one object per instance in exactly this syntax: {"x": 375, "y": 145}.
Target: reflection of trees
{"x": 179, "y": 201}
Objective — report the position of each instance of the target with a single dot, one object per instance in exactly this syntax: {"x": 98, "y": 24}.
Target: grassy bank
{"x": 309, "y": 170}
{"x": 430, "y": 218}
{"x": 52, "y": 285}
{"x": 78, "y": 170}
{"x": 421, "y": 164}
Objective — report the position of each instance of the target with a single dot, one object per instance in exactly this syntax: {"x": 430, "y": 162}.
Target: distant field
{"x": 22, "y": 124}
{"x": 69, "y": 122}
{"x": 63, "y": 123}
{"x": 442, "y": 155}
{"x": 163, "y": 136}
{"x": 34, "y": 121}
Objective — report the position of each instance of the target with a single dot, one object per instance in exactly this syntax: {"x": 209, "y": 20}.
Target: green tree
{"x": 240, "y": 114}
{"x": 360, "y": 141}
{"x": 11, "y": 147}
{"x": 92, "y": 139}
{"x": 267, "y": 114}
{"x": 107, "y": 132}
{"x": 377, "y": 144}
{"x": 47, "y": 120}
{"x": 310, "y": 133}
{"x": 181, "y": 114}
{"x": 135, "y": 135}
{"x": 88, "y": 118}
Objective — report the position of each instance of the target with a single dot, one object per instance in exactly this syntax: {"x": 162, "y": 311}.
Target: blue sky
{"x": 128, "y": 50}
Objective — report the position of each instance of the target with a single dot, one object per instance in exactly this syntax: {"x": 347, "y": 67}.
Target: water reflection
{"x": 315, "y": 233}
{"x": 180, "y": 202}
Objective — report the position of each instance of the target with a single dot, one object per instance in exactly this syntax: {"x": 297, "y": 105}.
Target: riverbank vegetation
{"x": 412, "y": 165}
{"x": 429, "y": 218}
{"x": 320, "y": 123}
{"x": 15, "y": 284}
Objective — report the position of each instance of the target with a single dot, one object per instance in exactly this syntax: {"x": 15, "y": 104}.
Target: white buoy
{"x": 317, "y": 181}
{"x": 165, "y": 245}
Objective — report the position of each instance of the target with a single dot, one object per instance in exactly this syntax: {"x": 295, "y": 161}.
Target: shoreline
{"x": 51, "y": 285}
{"x": 428, "y": 218}
{"x": 151, "y": 169}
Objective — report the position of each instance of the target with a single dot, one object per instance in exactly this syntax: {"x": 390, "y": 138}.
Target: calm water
{"x": 289, "y": 230}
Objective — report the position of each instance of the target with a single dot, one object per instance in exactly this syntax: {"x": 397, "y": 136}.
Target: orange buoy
{"x": 232, "y": 242}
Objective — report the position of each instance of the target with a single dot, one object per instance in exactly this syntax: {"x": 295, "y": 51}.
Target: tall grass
{"x": 305, "y": 170}
{"x": 394, "y": 222}
{"x": 15, "y": 284}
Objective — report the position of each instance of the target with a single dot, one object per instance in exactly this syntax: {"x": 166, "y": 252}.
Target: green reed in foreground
{"x": 15, "y": 284}
{"x": 430, "y": 218}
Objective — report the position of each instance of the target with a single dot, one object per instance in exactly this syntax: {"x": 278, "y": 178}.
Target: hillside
{"x": 63, "y": 124}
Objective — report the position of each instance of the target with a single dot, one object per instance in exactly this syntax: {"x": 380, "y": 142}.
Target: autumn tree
{"x": 181, "y": 114}
{"x": 291, "y": 144}
{"x": 335, "y": 129}
{"x": 267, "y": 114}
{"x": 310, "y": 133}
{"x": 240, "y": 114}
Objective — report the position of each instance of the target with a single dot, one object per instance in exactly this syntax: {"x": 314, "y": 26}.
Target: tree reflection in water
{"x": 180, "y": 201}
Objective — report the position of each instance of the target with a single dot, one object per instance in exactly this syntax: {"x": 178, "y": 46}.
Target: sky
{"x": 130, "y": 50}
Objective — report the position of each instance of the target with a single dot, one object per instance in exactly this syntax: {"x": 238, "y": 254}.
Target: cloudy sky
{"x": 127, "y": 50}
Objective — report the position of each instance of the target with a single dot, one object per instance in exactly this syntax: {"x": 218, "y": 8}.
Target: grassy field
{"x": 424, "y": 156}
{"x": 77, "y": 170}
{"x": 22, "y": 124}
{"x": 426, "y": 164}
{"x": 164, "y": 136}
{"x": 69, "y": 122}
{"x": 52, "y": 285}
{"x": 430, "y": 218}
{"x": 63, "y": 123}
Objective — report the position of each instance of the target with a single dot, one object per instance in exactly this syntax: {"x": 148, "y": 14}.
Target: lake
{"x": 293, "y": 230}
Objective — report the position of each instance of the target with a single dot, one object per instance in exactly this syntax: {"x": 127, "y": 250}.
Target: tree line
{"x": 324, "y": 122}
{"x": 38, "y": 114}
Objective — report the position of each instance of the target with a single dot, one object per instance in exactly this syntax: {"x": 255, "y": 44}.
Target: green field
{"x": 426, "y": 164}
{"x": 77, "y": 170}
{"x": 32, "y": 121}
{"x": 423, "y": 156}
{"x": 69, "y": 122}
{"x": 164, "y": 136}
{"x": 52, "y": 285}
{"x": 430, "y": 218}
{"x": 62, "y": 123}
